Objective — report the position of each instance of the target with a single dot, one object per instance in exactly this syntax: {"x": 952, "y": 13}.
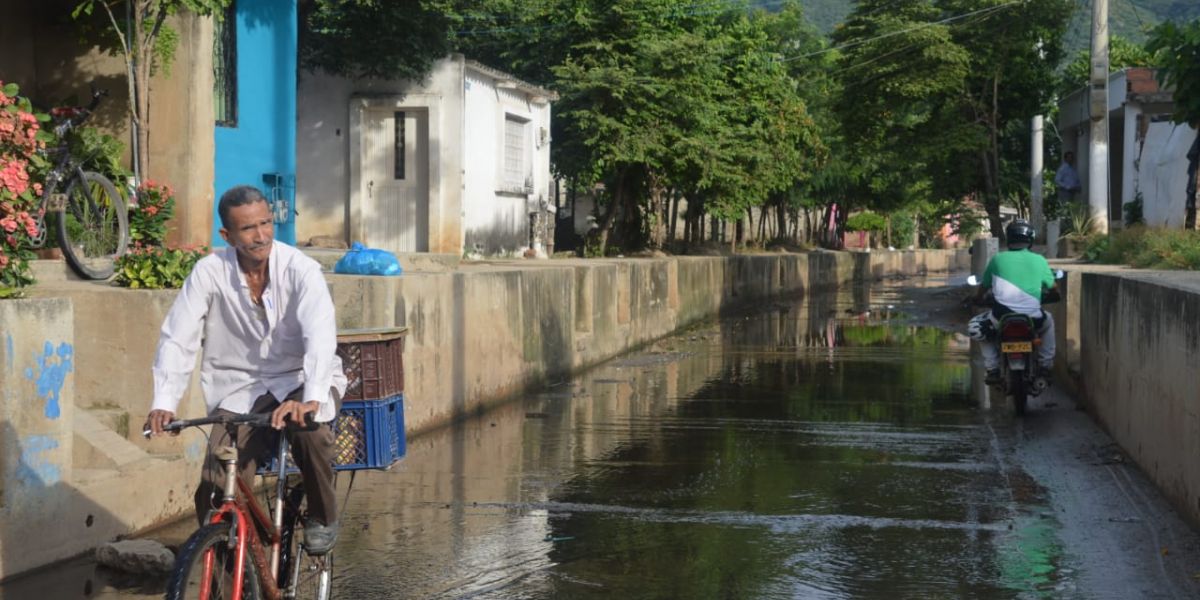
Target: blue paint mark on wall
{"x": 194, "y": 450}
{"x": 263, "y": 143}
{"x": 35, "y": 470}
{"x": 53, "y": 367}
{"x": 8, "y": 352}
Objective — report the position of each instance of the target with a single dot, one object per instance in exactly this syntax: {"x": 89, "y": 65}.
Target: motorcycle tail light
{"x": 1016, "y": 330}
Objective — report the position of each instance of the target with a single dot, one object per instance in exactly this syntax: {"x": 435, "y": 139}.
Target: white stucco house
{"x": 1147, "y": 152}
{"x": 457, "y": 163}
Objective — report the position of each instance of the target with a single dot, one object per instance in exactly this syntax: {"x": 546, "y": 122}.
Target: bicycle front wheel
{"x": 205, "y": 567}
{"x": 93, "y": 229}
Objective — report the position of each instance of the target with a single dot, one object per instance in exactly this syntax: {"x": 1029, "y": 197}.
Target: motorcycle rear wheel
{"x": 1016, "y": 388}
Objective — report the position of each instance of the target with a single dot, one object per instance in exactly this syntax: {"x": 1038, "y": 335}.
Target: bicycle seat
{"x": 65, "y": 112}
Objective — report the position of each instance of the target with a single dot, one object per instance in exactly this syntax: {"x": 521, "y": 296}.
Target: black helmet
{"x": 1019, "y": 234}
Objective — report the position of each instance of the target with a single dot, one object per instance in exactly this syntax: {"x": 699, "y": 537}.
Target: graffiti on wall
{"x": 53, "y": 365}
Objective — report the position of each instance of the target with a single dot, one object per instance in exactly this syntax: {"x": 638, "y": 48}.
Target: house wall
{"x": 496, "y": 219}
{"x": 1132, "y": 149}
{"x": 41, "y": 50}
{"x": 1163, "y": 175}
{"x": 324, "y": 197}
{"x": 263, "y": 140}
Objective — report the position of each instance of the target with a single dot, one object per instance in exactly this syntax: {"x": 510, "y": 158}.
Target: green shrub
{"x": 1133, "y": 211}
{"x": 155, "y": 267}
{"x": 100, "y": 152}
{"x": 866, "y": 221}
{"x": 148, "y": 220}
{"x": 903, "y": 228}
{"x": 1148, "y": 248}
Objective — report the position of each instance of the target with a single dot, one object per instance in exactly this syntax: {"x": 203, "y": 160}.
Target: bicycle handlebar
{"x": 251, "y": 419}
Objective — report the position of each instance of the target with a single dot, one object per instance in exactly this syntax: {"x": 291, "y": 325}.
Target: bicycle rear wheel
{"x": 206, "y": 563}
{"x": 93, "y": 229}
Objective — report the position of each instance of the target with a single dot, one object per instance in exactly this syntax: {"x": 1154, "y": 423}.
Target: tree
{"x": 379, "y": 38}
{"x": 658, "y": 97}
{"x": 902, "y": 75}
{"x": 1014, "y": 48}
{"x": 1176, "y": 49}
{"x": 1122, "y": 53}
{"x": 146, "y": 46}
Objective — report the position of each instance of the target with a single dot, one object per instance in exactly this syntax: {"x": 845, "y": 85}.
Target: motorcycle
{"x": 1017, "y": 336}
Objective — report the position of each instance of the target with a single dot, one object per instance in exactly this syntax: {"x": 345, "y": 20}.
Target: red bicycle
{"x": 244, "y": 553}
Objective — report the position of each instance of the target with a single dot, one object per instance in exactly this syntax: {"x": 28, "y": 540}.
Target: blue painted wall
{"x": 264, "y": 139}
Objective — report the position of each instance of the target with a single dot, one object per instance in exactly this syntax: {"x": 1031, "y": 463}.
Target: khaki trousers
{"x": 312, "y": 451}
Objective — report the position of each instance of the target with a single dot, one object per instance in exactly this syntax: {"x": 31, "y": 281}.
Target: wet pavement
{"x": 828, "y": 448}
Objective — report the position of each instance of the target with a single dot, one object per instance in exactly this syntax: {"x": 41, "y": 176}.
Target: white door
{"x": 395, "y": 179}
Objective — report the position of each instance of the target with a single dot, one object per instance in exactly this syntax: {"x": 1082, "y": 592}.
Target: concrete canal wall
{"x": 1131, "y": 348}
{"x": 76, "y": 366}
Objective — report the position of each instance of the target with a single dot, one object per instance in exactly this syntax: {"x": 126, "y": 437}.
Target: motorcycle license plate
{"x": 1007, "y": 347}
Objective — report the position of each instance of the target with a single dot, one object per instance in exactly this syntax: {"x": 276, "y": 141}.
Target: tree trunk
{"x": 144, "y": 16}
{"x": 781, "y": 220}
{"x": 991, "y": 200}
{"x": 674, "y": 218}
{"x": 1192, "y": 183}
{"x": 610, "y": 213}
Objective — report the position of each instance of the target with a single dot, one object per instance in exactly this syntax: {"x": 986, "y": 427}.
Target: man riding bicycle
{"x": 1016, "y": 279}
{"x": 264, "y": 314}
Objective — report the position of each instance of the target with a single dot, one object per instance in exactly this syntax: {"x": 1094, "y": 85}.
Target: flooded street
{"x": 823, "y": 449}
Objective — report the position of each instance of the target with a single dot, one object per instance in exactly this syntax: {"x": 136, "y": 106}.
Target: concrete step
{"x": 48, "y": 270}
{"x": 98, "y": 446}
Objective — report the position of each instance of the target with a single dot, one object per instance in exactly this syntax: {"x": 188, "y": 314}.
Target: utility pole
{"x": 1098, "y": 143}
{"x": 1035, "y": 179}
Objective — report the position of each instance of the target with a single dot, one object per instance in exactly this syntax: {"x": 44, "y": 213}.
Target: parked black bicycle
{"x": 92, "y": 219}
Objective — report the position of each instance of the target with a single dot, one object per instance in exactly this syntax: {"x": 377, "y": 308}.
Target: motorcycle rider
{"x": 1017, "y": 279}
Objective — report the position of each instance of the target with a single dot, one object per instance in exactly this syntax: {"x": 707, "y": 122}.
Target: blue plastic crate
{"x": 368, "y": 434}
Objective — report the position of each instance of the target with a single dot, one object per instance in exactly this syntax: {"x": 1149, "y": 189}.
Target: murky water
{"x": 821, "y": 449}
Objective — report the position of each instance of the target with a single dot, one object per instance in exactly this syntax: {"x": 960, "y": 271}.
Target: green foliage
{"x": 99, "y": 152}
{"x": 1054, "y": 207}
{"x": 1122, "y": 53}
{"x": 1079, "y": 222}
{"x": 1133, "y": 211}
{"x": 866, "y": 221}
{"x": 148, "y": 220}
{"x": 1176, "y": 49}
{"x": 22, "y": 173}
{"x": 156, "y": 267}
{"x": 378, "y": 38}
{"x": 1097, "y": 248}
{"x": 149, "y": 263}
{"x": 904, "y": 225}
{"x": 108, "y": 26}
{"x": 1148, "y": 248}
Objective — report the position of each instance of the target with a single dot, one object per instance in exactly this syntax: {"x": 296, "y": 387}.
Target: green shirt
{"x": 1017, "y": 278}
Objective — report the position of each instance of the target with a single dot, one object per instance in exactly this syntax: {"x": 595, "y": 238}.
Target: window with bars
{"x": 515, "y": 142}
{"x": 225, "y": 67}
{"x": 398, "y": 143}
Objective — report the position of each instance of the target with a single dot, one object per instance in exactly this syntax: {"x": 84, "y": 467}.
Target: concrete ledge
{"x": 1132, "y": 346}
{"x": 480, "y": 334}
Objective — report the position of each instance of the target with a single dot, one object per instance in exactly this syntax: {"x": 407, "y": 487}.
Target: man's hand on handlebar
{"x": 156, "y": 420}
{"x": 294, "y": 411}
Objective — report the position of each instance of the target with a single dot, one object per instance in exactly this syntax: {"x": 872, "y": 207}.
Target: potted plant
{"x": 1081, "y": 226}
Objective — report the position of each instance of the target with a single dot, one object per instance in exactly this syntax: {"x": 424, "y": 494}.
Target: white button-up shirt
{"x": 249, "y": 350}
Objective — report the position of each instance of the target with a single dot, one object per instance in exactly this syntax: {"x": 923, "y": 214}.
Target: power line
{"x": 680, "y": 11}
{"x": 989, "y": 9}
{"x": 1137, "y": 14}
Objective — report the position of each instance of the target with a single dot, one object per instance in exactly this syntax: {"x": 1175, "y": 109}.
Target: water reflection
{"x": 817, "y": 449}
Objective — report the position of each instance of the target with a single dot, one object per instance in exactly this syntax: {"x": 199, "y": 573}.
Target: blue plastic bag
{"x": 361, "y": 260}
